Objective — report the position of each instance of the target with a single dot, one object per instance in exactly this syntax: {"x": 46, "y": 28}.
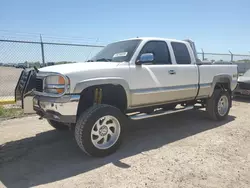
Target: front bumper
{"x": 63, "y": 109}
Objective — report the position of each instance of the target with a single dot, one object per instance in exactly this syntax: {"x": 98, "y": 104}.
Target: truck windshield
{"x": 117, "y": 52}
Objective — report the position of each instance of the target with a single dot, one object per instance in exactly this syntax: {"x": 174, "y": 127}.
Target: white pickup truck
{"x": 131, "y": 79}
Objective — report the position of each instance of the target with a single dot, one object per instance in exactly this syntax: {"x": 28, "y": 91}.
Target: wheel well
{"x": 114, "y": 95}
{"x": 223, "y": 85}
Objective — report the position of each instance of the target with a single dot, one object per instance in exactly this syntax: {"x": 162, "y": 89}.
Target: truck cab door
{"x": 187, "y": 75}
{"x": 161, "y": 80}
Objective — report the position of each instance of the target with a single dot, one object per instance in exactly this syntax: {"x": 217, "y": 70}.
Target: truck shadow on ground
{"x": 52, "y": 156}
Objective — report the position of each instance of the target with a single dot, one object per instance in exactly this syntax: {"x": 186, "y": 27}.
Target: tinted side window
{"x": 160, "y": 51}
{"x": 181, "y": 53}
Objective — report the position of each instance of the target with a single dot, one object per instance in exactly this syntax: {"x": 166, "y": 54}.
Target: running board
{"x": 158, "y": 113}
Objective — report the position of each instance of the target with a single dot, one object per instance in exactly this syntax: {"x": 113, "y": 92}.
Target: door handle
{"x": 171, "y": 72}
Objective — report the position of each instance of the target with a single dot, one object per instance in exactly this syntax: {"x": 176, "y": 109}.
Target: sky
{"x": 214, "y": 25}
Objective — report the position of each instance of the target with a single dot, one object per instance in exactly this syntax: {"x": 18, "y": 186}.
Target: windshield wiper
{"x": 101, "y": 59}
{"x": 104, "y": 59}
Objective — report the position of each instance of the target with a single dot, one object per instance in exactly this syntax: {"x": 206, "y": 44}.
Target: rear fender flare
{"x": 223, "y": 78}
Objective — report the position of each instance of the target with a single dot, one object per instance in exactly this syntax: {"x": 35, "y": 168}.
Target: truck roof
{"x": 156, "y": 38}
{"x": 185, "y": 41}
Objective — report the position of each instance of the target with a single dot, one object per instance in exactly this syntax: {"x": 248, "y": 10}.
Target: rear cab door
{"x": 186, "y": 71}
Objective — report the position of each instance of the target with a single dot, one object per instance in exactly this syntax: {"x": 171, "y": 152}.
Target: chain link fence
{"x": 218, "y": 57}
{"x": 15, "y": 55}
{"x": 243, "y": 61}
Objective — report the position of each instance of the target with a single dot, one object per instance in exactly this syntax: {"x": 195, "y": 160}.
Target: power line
{"x": 49, "y": 39}
{"x": 45, "y": 35}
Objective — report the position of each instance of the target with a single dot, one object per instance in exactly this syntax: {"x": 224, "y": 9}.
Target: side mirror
{"x": 145, "y": 58}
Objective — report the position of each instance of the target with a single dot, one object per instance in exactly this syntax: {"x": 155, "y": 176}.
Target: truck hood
{"x": 79, "y": 67}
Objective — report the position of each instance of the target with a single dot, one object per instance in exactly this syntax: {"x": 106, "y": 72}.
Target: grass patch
{"x": 10, "y": 112}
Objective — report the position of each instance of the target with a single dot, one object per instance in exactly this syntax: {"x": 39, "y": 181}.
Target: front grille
{"x": 243, "y": 85}
{"x": 39, "y": 85}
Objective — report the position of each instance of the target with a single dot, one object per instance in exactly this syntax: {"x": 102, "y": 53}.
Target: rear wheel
{"x": 218, "y": 106}
{"x": 99, "y": 130}
{"x": 58, "y": 125}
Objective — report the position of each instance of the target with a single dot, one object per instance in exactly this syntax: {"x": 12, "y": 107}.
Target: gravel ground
{"x": 178, "y": 150}
{"x": 8, "y": 80}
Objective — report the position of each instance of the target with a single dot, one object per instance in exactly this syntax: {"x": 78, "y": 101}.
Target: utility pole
{"x": 43, "y": 60}
{"x": 232, "y": 56}
{"x": 203, "y": 55}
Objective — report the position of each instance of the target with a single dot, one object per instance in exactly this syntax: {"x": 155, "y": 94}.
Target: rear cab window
{"x": 181, "y": 53}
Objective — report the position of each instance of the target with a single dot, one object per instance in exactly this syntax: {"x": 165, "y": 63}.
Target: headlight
{"x": 56, "y": 84}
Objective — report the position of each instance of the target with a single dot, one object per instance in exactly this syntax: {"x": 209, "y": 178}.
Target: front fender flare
{"x": 80, "y": 86}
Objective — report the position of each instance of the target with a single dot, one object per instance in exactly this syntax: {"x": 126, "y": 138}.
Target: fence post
{"x": 203, "y": 55}
{"x": 232, "y": 56}
{"x": 43, "y": 60}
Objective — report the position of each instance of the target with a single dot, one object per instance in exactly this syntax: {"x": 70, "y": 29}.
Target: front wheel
{"x": 218, "y": 106}
{"x": 99, "y": 130}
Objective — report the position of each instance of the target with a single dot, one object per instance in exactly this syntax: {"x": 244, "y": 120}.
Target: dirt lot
{"x": 179, "y": 150}
{"x": 8, "y": 80}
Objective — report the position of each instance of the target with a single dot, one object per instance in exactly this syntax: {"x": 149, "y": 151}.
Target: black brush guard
{"x": 25, "y": 85}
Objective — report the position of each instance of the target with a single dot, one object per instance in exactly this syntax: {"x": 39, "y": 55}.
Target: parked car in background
{"x": 243, "y": 87}
{"x": 9, "y": 65}
{"x": 21, "y": 65}
{"x": 50, "y": 63}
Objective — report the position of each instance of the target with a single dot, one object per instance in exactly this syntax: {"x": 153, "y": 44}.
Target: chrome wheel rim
{"x": 223, "y": 105}
{"x": 105, "y": 132}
